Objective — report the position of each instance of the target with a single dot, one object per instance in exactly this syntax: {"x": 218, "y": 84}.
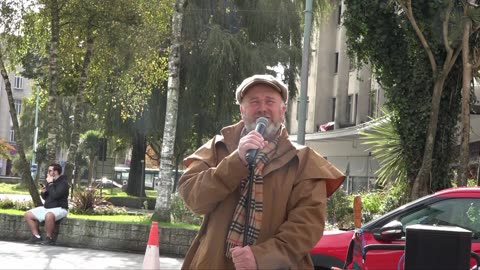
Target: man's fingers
{"x": 236, "y": 251}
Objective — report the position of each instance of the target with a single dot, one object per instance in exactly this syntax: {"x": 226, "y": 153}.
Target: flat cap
{"x": 261, "y": 79}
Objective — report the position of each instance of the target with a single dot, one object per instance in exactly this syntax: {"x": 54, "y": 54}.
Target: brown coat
{"x": 296, "y": 187}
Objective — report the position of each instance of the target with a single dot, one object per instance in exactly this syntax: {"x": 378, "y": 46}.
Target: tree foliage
{"x": 110, "y": 61}
{"x": 222, "y": 42}
{"x": 385, "y": 145}
{"x": 11, "y": 50}
{"x": 89, "y": 145}
{"x": 380, "y": 34}
{"x": 4, "y": 149}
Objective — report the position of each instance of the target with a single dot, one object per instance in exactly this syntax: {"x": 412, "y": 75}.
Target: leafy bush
{"x": 109, "y": 209}
{"x": 340, "y": 210}
{"x": 88, "y": 201}
{"x": 180, "y": 212}
{"x": 6, "y": 203}
{"x": 394, "y": 196}
{"x": 374, "y": 203}
{"x": 23, "y": 205}
{"x": 371, "y": 205}
{"x": 84, "y": 201}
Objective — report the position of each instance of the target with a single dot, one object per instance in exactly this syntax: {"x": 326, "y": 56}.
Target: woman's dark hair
{"x": 56, "y": 167}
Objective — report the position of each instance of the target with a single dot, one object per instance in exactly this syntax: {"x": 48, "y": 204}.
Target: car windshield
{"x": 461, "y": 212}
{"x": 399, "y": 209}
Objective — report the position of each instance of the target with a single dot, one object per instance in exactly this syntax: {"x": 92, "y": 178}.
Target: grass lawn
{"x": 134, "y": 219}
{"x": 7, "y": 188}
{"x": 117, "y": 192}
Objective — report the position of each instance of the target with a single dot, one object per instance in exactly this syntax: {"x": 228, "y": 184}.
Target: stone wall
{"x": 103, "y": 235}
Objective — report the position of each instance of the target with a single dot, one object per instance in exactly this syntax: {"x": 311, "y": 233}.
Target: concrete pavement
{"x": 16, "y": 197}
{"x": 16, "y": 255}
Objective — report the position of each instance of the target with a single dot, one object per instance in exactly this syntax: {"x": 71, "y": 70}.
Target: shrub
{"x": 374, "y": 203}
{"x": 394, "y": 196}
{"x": 7, "y": 203}
{"x": 109, "y": 209}
{"x": 371, "y": 205}
{"x": 23, "y": 205}
{"x": 340, "y": 210}
{"x": 180, "y": 212}
{"x": 88, "y": 201}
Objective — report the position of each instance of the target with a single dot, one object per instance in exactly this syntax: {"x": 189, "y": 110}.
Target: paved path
{"x": 16, "y": 197}
{"x": 15, "y": 255}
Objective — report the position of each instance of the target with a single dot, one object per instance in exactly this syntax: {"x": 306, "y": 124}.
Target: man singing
{"x": 290, "y": 185}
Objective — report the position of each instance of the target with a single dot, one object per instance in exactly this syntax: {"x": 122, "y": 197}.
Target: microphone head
{"x": 262, "y": 121}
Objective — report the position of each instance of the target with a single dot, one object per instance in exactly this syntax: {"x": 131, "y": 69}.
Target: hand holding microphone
{"x": 250, "y": 144}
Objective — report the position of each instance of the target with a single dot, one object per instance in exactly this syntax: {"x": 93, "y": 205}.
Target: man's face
{"x": 51, "y": 172}
{"x": 263, "y": 100}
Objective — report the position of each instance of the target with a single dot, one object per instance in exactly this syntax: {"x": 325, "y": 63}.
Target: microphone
{"x": 262, "y": 124}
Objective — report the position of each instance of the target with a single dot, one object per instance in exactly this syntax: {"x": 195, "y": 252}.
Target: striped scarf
{"x": 236, "y": 232}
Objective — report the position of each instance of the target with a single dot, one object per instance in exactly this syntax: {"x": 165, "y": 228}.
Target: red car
{"x": 450, "y": 207}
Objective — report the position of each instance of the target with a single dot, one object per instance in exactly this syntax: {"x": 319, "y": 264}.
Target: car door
{"x": 461, "y": 212}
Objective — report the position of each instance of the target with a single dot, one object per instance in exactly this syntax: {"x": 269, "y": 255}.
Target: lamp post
{"x": 72, "y": 118}
{"x": 35, "y": 137}
{"x": 302, "y": 107}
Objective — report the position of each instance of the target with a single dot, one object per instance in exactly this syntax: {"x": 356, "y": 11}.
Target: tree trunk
{"x": 420, "y": 184}
{"x": 164, "y": 189}
{"x": 463, "y": 164}
{"x": 78, "y": 110}
{"x": 136, "y": 183}
{"x": 91, "y": 167}
{"x": 77, "y": 174}
{"x": 53, "y": 92}
{"x": 25, "y": 165}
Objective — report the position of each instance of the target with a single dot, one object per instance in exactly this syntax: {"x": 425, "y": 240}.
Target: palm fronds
{"x": 385, "y": 146}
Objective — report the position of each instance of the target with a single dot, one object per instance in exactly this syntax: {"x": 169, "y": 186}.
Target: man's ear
{"x": 242, "y": 110}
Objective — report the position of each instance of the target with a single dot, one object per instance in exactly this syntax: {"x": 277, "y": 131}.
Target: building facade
{"x": 341, "y": 102}
{"x": 21, "y": 89}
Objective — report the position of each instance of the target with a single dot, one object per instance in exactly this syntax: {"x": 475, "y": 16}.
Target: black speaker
{"x": 437, "y": 248}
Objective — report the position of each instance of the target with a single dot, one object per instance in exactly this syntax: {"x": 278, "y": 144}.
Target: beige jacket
{"x": 296, "y": 187}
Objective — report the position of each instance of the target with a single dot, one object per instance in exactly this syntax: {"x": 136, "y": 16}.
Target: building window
{"x": 336, "y": 63}
{"x": 371, "y": 102}
{"x": 18, "y": 82}
{"x": 18, "y": 109}
{"x": 12, "y": 134}
{"x": 333, "y": 108}
{"x": 349, "y": 109}
{"x": 339, "y": 19}
{"x": 18, "y": 106}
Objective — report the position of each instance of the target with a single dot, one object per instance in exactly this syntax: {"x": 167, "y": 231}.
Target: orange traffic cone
{"x": 152, "y": 254}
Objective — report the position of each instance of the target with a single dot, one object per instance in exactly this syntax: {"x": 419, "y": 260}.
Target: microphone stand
{"x": 246, "y": 227}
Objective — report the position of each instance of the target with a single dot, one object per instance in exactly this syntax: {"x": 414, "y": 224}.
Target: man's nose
{"x": 262, "y": 107}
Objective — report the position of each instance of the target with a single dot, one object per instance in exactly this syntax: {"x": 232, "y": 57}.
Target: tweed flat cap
{"x": 263, "y": 79}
